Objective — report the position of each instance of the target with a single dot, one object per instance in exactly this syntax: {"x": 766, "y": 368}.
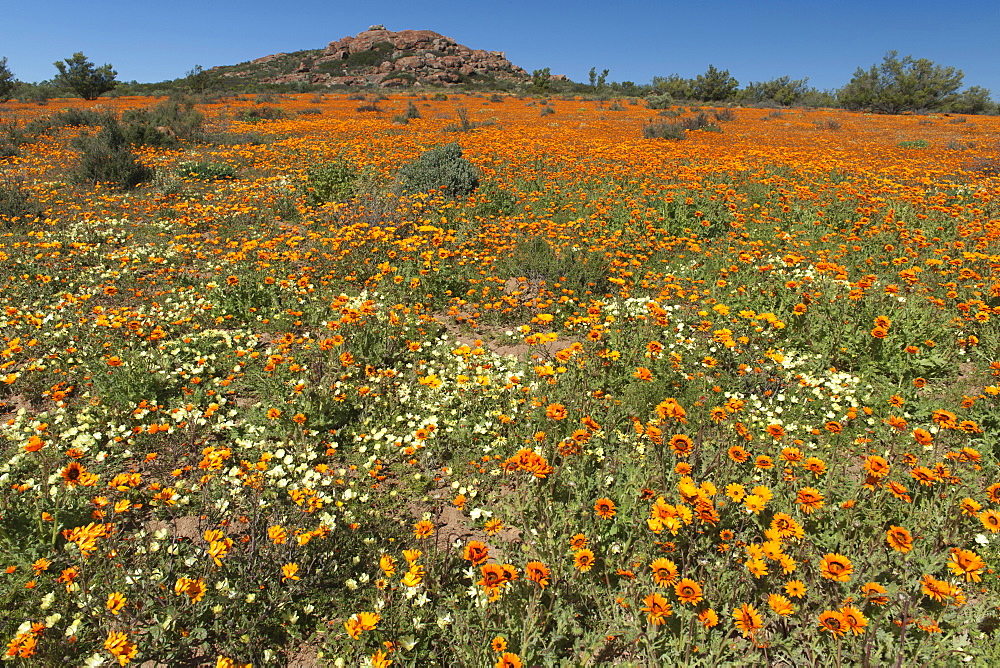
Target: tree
{"x": 540, "y": 79}
{"x": 676, "y": 86}
{"x": 902, "y": 84}
{"x": 714, "y": 85}
{"x": 597, "y": 81}
{"x": 783, "y": 90}
{"x": 197, "y": 79}
{"x": 7, "y": 81}
{"x": 86, "y": 80}
{"x": 974, "y": 100}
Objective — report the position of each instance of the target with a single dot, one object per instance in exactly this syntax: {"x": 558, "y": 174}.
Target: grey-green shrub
{"x": 442, "y": 168}
{"x": 331, "y": 182}
{"x": 107, "y": 158}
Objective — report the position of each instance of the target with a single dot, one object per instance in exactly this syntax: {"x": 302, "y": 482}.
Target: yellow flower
{"x": 288, "y": 572}
{"x": 116, "y": 601}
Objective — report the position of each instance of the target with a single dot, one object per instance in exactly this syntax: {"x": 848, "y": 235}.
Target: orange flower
{"x": 688, "y": 591}
{"x": 537, "y": 572}
{"x": 855, "y": 619}
{"x": 776, "y": 431}
{"x": 556, "y": 412}
{"x": 508, "y": 660}
{"x": 967, "y": 564}
{"x": 899, "y": 539}
{"x": 836, "y": 567}
{"x": 583, "y": 560}
{"x": 809, "y": 500}
{"x": 423, "y": 529}
{"x": 476, "y": 552}
{"x": 747, "y": 620}
{"x": 664, "y": 571}
{"x": 833, "y": 622}
{"x": 120, "y": 647}
{"x": 657, "y": 609}
{"x": 780, "y": 605}
{"x": 604, "y": 508}
{"x": 288, "y": 572}
{"x": 991, "y": 520}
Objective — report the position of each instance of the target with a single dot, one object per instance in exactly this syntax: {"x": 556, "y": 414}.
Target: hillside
{"x": 382, "y": 57}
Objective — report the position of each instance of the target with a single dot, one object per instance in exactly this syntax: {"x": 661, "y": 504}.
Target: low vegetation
{"x": 325, "y": 389}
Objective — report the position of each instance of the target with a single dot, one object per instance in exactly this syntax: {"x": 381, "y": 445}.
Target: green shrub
{"x": 915, "y": 143}
{"x": 107, "y": 158}
{"x": 178, "y": 119}
{"x": 663, "y": 130}
{"x": 206, "y": 171}
{"x": 259, "y": 114}
{"x": 661, "y": 101}
{"x": 15, "y": 202}
{"x": 441, "y": 168}
{"x": 331, "y": 182}
{"x": 547, "y": 111}
{"x": 408, "y": 115}
{"x": 724, "y": 115}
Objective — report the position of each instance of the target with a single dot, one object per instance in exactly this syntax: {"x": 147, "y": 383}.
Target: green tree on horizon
{"x": 84, "y": 78}
{"x": 902, "y": 84}
{"x": 7, "y": 81}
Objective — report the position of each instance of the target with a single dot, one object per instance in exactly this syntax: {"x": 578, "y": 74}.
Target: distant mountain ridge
{"x": 383, "y": 57}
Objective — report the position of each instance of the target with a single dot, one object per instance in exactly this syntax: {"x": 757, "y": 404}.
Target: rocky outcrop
{"x": 383, "y": 57}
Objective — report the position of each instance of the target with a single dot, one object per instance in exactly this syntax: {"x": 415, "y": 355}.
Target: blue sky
{"x": 636, "y": 40}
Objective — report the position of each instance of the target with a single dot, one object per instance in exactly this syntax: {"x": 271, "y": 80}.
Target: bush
{"x": 15, "y": 203}
{"x": 170, "y": 120}
{"x": 441, "y": 168}
{"x": 902, "y": 84}
{"x": 331, "y": 182}
{"x": 206, "y": 171}
{"x": 7, "y": 81}
{"x": 107, "y": 158}
{"x": 259, "y": 114}
{"x": 724, "y": 115}
{"x": 915, "y": 143}
{"x": 663, "y": 130}
{"x": 82, "y": 77}
{"x": 464, "y": 124}
{"x": 408, "y": 115}
{"x": 660, "y": 101}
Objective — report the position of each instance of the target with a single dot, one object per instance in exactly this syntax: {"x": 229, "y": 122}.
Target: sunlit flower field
{"x": 729, "y": 400}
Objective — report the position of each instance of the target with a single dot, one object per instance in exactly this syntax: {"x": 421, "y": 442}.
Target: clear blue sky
{"x": 636, "y": 40}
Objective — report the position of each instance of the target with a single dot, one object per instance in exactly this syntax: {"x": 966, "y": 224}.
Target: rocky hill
{"x": 384, "y": 58}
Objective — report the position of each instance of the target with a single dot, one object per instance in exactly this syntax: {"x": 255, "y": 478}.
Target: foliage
{"x": 714, "y": 85}
{"x": 540, "y": 79}
{"x": 902, "y": 84}
{"x": 16, "y": 203}
{"x": 8, "y": 84}
{"x": 107, "y": 157}
{"x": 676, "y": 86}
{"x": 84, "y": 78}
{"x": 333, "y": 181}
{"x": 664, "y": 130}
{"x": 197, "y": 80}
{"x": 660, "y": 101}
{"x": 597, "y": 81}
{"x": 442, "y": 168}
{"x": 974, "y": 100}
{"x": 206, "y": 171}
{"x": 262, "y": 113}
{"x": 782, "y": 90}
{"x": 722, "y": 402}
{"x": 176, "y": 119}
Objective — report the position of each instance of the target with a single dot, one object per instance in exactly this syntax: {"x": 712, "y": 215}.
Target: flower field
{"x": 728, "y": 400}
